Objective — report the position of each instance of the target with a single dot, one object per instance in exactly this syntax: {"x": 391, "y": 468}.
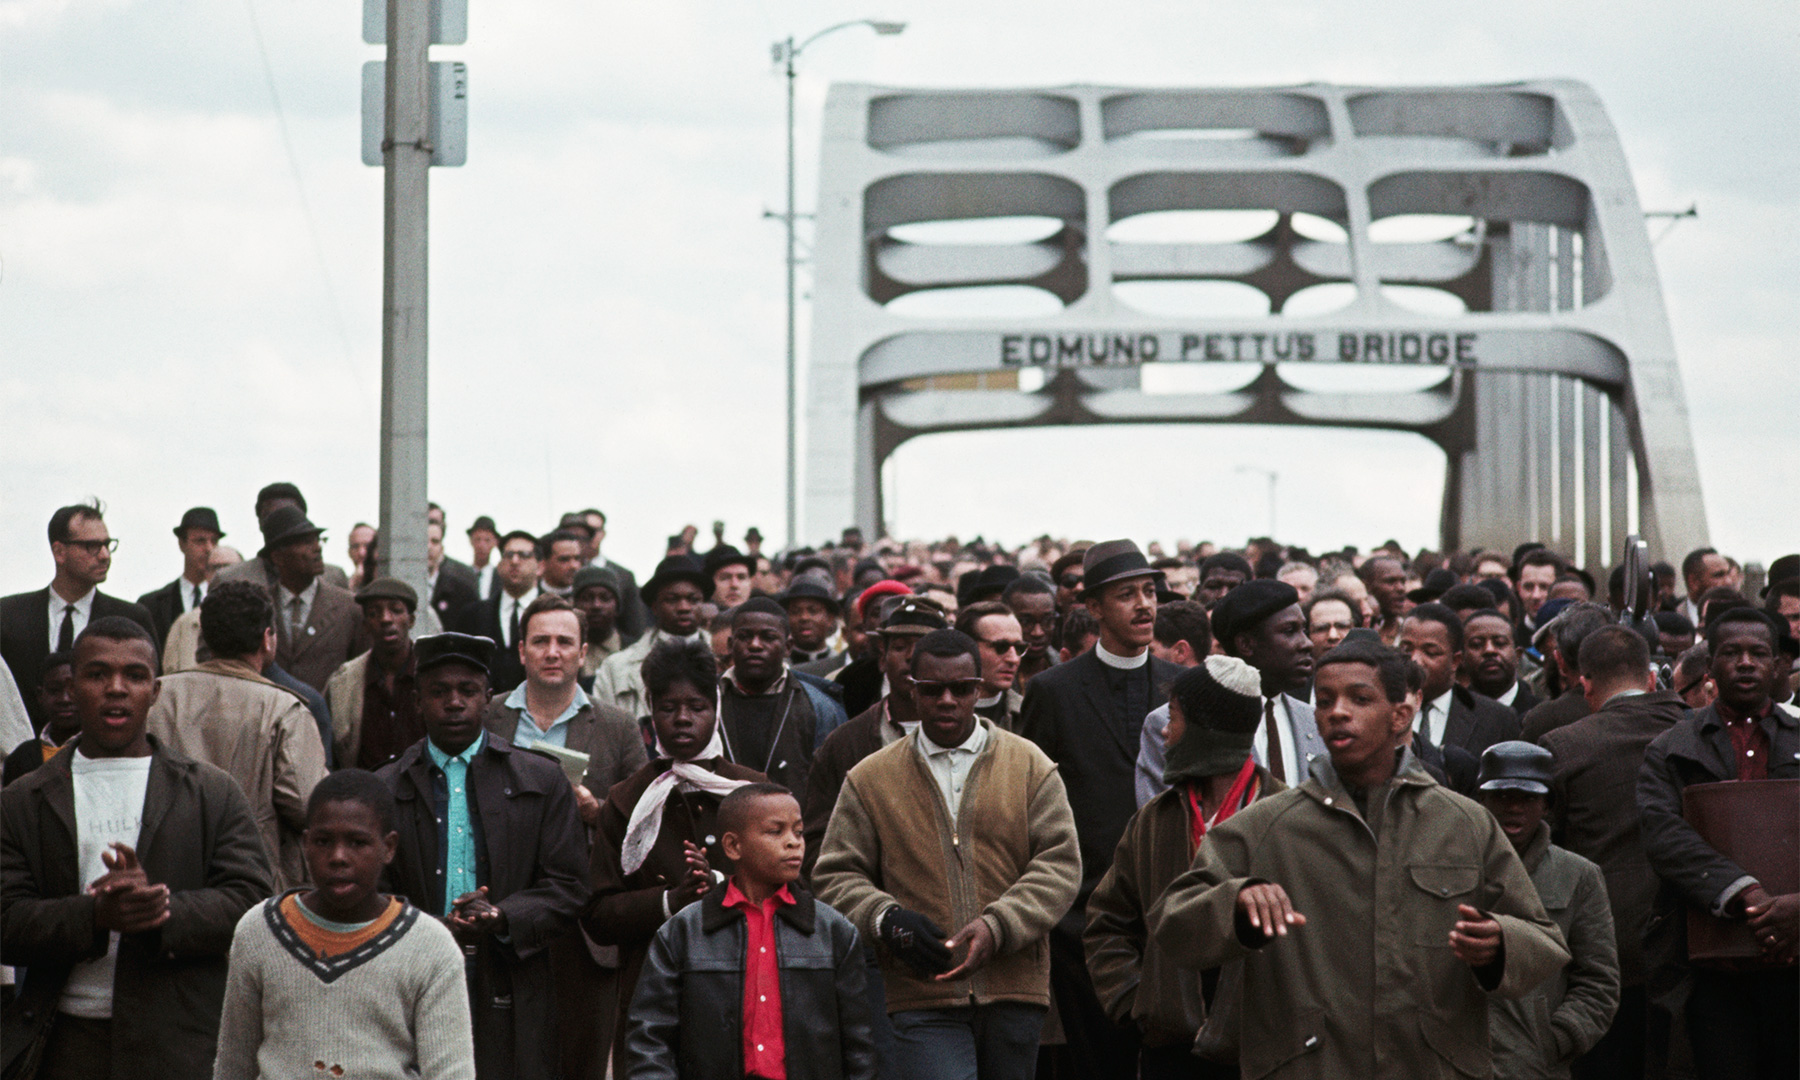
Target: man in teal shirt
{"x": 491, "y": 843}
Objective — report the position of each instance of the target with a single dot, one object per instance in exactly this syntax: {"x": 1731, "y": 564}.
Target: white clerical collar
{"x": 989, "y": 702}
{"x": 1124, "y": 663}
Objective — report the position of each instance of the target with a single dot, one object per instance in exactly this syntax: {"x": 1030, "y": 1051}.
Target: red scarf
{"x": 1243, "y": 792}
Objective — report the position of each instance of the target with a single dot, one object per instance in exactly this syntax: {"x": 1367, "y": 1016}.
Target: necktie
{"x": 1425, "y": 723}
{"x": 196, "y": 596}
{"x": 1277, "y": 763}
{"x": 297, "y": 619}
{"x": 65, "y": 637}
{"x": 512, "y": 634}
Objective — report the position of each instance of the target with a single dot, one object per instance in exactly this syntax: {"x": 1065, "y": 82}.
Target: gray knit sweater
{"x": 394, "y": 1008}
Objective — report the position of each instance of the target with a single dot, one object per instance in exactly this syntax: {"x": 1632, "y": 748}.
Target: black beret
{"x": 1245, "y": 607}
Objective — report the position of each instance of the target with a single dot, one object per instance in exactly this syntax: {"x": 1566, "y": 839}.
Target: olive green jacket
{"x": 1369, "y": 986}
{"x": 1537, "y": 1036}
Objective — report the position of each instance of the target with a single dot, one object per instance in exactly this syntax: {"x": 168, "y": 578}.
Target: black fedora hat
{"x": 1113, "y": 560}
{"x": 200, "y": 517}
{"x": 1436, "y": 584}
{"x": 987, "y": 583}
{"x": 677, "y": 568}
{"x": 484, "y": 522}
{"x": 809, "y": 588}
{"x": 285, "y": 524}
{"x": 725, "y": 555}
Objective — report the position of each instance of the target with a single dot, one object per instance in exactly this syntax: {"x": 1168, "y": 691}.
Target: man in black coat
{"x": 498, "y": 618}
{"x": 1450, "y": 715}
{"x": 490, "y": 841}
{"x": 1743, "y": 1023}
{"x": 453, "y": 584}
{"x": 1566, "y": 632}
{"x": 1490, "y": 660}
{"x": 197, "y": 536}
{"x": 34, "y": 624}
{"x": 123, "y": 916}
{"x": 1087, "y": 715}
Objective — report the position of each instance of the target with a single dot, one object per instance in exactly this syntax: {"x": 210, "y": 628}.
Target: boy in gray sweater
{"x": 339, "y": 980}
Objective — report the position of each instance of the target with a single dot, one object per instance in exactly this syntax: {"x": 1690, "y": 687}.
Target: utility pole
{"x": 406, "y": 155}
{"x": 793, "y": 396}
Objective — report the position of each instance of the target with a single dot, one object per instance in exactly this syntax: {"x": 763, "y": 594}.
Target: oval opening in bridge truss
{"x": 1419, "y": 228}
{"x": 974, "y": 124}
{"x": 977, "y": 302}
{"x": 1020, "y": 229}
{"x": 1217, "y": 123}
{"x": 1487, "y": 121}
{"x": 1193, "y": 299}
{"x": 1192, "y": 227}
{"x": 1324, "y": 230}
{"x": 1335, "y": 378}
{"x": 1213, "y": 378}
{"x": 1425, "y": 300}
{"x": 1320, "y": 299}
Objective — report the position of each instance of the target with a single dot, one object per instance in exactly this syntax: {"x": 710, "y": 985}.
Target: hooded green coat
{"x": 1369, "y": 987}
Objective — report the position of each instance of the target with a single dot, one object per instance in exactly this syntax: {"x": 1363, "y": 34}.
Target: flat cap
{"x": 915, "y": 616}
{"x": 452, "y": 648}
{"x": 387, "y": 588}
{"x": 1515, "y": 766}
{"x": 1245, "y": 607}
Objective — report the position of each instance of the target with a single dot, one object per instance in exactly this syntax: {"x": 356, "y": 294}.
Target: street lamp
{"x": 1273, "y": 477}
{"x": 785, "y": 52}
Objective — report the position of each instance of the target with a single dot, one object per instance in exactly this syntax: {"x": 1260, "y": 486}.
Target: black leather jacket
{"x": 687, "y": 1016}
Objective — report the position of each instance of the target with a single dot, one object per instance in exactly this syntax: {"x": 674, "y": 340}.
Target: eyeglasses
{"x": 94, "y": 547}
{"x": 1001, "y": 648}
{"x": 962, "y": 688}
{"x": 517, "y": 556}
{"x": 1070, "y": 581}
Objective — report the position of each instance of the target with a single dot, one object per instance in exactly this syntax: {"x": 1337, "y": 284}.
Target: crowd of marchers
{"x": 950, "y": 811}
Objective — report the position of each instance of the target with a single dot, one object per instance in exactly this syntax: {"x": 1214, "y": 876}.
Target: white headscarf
{"x": 646, "y": 817}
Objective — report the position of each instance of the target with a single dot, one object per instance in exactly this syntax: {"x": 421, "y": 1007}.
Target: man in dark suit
{"x": 1564, "y": 634}
{"x": 452, "y": 584}
{"x": 1088, "y": 715}
{"x": 1743, "y": 1020}
{"x": 271, "y": 498}
{"x": 1450, "y": 715}
{"x": 197, "y": 536}
{"x": 1490, "y": 660}
{"x": 318, "y": 626}
{"x": 634, "y": 616}
{"x": 498, "y": 618}
{"x": 461, "y": 571}
{"x": 490, "y": 842}
{"x": 33, "y": 624}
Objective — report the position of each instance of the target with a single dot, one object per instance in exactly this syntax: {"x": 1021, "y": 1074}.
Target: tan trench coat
{"x": 1369, "y": 987}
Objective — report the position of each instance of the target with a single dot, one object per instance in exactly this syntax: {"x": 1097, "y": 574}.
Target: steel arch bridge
{"x": 1558, "y": 403}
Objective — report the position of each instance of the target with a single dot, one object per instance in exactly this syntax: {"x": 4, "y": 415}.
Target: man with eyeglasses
{"x": 1032, "y": 599}
{"x": 996, "y": 630}
{"x": 965, "y": 974}
{"x": 500, "y": 618}
{"x": 35, "y": 624}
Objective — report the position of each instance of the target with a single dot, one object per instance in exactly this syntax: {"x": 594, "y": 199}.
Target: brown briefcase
{"x": 1756, "y": 824}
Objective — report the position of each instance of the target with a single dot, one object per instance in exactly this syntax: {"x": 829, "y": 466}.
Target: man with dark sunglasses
{"x": 1032, "y": 600}
{"x": 996, "y": 632}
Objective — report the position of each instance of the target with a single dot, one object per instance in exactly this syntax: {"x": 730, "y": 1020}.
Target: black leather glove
{"x": 916, "y": 940}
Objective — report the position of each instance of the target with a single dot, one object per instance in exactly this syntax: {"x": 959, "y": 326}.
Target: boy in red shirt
{"x": 759, "y": 979}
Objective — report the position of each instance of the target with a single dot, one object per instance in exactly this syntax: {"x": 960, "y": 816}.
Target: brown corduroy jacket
{"x": 1010, "y": 857}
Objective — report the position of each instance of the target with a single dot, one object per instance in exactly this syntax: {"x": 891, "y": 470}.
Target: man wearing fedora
{"x": 318, "y": 626}
{"x": 674, "y": 594}
{"x": 731, "y": 571}
{"x": 484, "y": 541}
{"x": 1088, "y": 716}
{"x": 196, "y": 536}
{"x": 812, "y": 618}
{"x": 271, "y": 498}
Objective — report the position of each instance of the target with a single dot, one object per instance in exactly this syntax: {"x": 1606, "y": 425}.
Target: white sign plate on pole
{"x": 449, "y": 112}
{"x": 449, "y": 22}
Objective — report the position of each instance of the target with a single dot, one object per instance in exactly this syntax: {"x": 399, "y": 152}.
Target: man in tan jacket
{"x": 1374, "y": 910}
{"x": 961, "y": 825}
{"x": 223, "y": 712}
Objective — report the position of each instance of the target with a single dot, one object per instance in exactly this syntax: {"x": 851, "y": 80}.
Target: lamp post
{"x": 1273, "y": 477}
{"x": 785, "y": 52}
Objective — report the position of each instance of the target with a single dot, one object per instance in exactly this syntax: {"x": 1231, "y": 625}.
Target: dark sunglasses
{"x": 962, "y": 688}
{"x": 1001, "y": 648}
{"x": 1071, "y": 581}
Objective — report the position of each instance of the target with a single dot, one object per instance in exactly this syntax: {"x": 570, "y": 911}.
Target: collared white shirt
{"x": 508, "y": 602}
{"x": 527, "y": 734}
{"x": 484, "y": 581}
{"x": 1292, "y": 759}
{"x": 431, "y": 577}
{"x": 1124, "y": 663}
{"x": 306, "y": 597}
{"x": 1438, "y": 709}
{"x": 83, "y": 609}
{"x": 1511, "y": 695}
{"x": 186, "y": 589}
{"x": 950, "y": 765}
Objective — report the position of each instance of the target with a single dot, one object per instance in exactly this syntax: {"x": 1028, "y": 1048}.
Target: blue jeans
{"x": 974, "y": 1042}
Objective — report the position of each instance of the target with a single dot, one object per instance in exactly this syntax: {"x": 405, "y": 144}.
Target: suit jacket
{"x": 25, "y": 637}
{"x": 1525, "y": 700}
{"x": 334, "y": 634}
{"x": 482, "y": 618}
{"x": 165, "y": 606}
{"x": 199, "y": 838}
{"x": 1067, "y": 712}
{"x": 1547, "y": 716}
{"x": 455, "y": 589}
{"x": 531, "y": 852}
{"x": 260, "y": 571}
{"x": 1477, "y": 722}
{"x": 610, "y": 739}
{"x": 1151, "y": 759}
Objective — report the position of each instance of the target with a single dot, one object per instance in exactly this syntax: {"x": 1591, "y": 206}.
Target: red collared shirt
{"x": 1751, "y": 743}
{"x": 765, "y": 1050}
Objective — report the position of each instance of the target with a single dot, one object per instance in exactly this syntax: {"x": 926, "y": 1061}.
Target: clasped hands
{"x": 124, "y": 899}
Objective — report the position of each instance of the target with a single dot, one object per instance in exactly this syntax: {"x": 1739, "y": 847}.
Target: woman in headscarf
{"x": 1214, "y": 709}
{"x": 656, "y": 848}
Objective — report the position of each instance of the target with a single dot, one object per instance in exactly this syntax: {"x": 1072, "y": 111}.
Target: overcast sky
{"x": 190, "y": 301}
